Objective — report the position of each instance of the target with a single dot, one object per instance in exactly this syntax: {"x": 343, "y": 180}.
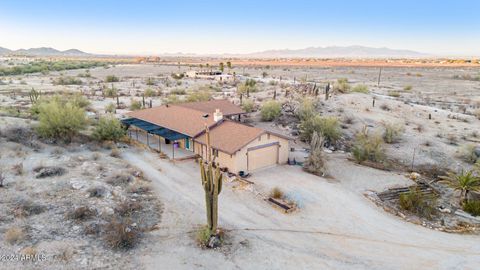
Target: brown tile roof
{"x": 180, "y": 119}
{"x": 225, "y": 106}
{"x": 229, "y": 136}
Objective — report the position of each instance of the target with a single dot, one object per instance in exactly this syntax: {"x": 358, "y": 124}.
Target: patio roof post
{"x": 147, "y": 140}
{"x": 136, "y": 133}
{"x": 159, "y": 144}
{"x": 173, "y": 150}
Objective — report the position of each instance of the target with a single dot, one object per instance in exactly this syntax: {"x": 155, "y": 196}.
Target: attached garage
{"x": 262, "y": 156}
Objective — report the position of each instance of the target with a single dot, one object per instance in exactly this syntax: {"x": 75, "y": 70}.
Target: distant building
{"x": 207, "y": 74}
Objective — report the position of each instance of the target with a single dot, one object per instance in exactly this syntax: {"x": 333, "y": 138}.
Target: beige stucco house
{"x": 236, "y": 146}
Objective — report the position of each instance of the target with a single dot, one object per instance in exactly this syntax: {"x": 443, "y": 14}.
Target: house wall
{"x": 238, "y": 161}
{"x": 241, "y": 156}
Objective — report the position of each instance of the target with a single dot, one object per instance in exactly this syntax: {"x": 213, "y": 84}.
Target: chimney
{"x": 217, "y": 115}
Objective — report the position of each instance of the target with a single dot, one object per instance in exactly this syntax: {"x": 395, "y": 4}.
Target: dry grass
{"x": 115, "y": 153}
{"x": 18, "y": 169}
{"x": 277, "y": 193}
{"x": 127, "y": 208}
{"x": 25, "y": 208}
{"x": 97, "y": 191}
{"x": 14, "y": 235}
{"x": 81, "y": 213}
{"x": 120, "y": 234}
{"x": 139, "y": 188}
{"x": 120, "y": 179}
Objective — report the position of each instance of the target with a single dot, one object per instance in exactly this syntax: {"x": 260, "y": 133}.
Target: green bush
{"x": 418, "y": 203}
{"x": 341, "y": 85}
{"x": 44, "y": 67}
{"x": 271, "y": 110}
{"x": 110, "y": 92}
{"x": 199, "y": 96}
{"x": 328, "y": 127}
{"x": 178, "y": 91}
{"x": 368, "y": 147}
{"x": 135, "y": 105}
{"x": 109, "y": 129}
{"x": 472, "y": 207}
{"x": 306, "y": 110}
{"x": 67, "y": 81}
{"x": 361, "y": 88}
{"x": 110, "y": 108}
{"x": 408, "y": 88}
{"x": 250, "y": 85}
{"x": 392, "y": 132}
{"x": 79, "y": 101}
{"x": 248, "y": 105}
{"x": 112, "y": 78}
{"x": 149, "y": 92}
{"x": 59, "y": 120}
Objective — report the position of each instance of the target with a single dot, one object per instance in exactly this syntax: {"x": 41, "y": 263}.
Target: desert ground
{"x": 339, "y": 222}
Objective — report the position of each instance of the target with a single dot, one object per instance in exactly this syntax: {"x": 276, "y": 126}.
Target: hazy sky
{"x": 154, "y": 27}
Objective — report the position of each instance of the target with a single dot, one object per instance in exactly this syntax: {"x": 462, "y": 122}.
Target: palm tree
{"x": 229, "y": 66}
{"x": 464, "y": 182}
{"x": 221, "y": 67}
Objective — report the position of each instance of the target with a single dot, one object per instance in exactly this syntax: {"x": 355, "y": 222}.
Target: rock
{"x": 214, "y": 241}
{"x": 477, "y": 151}
{"x": 49, "y": 171}
{"x": 76, "y": 185}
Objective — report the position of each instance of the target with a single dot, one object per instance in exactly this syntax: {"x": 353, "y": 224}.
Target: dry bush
{"x": 139, "y": 188}
{"x": 452, "y": 139}
{"x": 14, "y": 235}
{"x": 315, "y": 162}
{"x": 18, "y": 169}
{"x": 120, "y": 179}
{"x": 467, "y": 153}
{"x": 385, "y": 107}
{"x": 271, "y": 110}
{"x": 82, "y": 213}
{"x": 120, "y": 234}
{"x": 277, "y": 193}
{"x": 97, "y": 191}
{"x": 477, "y": 113}
{"x": 96, "y": 156}
{"x": 49, "y": 171}
{"x": 2, "y": 178}
{"x": 127, "y": 208}
{"x": 341, "y": 85}
{"x": 115, "y": 153}
{"x": 25, "y": 208}
{"x": 29, "y": 251}
{"x": 349, "y": 119}
{"x": 392, "y": 132}
{"x": 418, "y": 203}
{"x": 368, "y": 147}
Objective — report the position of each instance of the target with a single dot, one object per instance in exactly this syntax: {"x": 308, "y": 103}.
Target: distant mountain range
{"x": 43, "y": 51}
{"x": 336, "y": 52}
{"x": 311, "y": 52}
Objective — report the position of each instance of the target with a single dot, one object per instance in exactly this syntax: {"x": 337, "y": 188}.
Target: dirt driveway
{"x": 336, "y": 228}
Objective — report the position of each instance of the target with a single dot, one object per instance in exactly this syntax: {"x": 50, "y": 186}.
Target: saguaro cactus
{"x": 212, "y": 184}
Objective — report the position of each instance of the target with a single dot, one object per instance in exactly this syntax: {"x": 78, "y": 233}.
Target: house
{"x": 212, "y": 75}
{"x": 235, "y": 146}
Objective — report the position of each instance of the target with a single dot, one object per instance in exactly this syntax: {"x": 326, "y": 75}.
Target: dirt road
{"x": 336, "y": 228}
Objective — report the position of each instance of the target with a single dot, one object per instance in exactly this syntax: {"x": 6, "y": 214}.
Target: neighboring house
{"x": 213, "y": 75}
{"x": 236, "y": 146}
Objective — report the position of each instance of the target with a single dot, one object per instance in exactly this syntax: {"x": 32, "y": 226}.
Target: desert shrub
{"x": 392, "y": 132}
{"x": 115, "y": 153}
{"x": 18, "y": 169}
{"x": 14, "y": 235}
{"x": 385, "y": 107}
{"x": 59, "y": 120}
{"x": 78, "y": 100}
{"x": 277, "y": 193}
{"x": 348, "y": 119}
{"x": 418, "y": 203}
{"x": 2, "y": 178}
{"x": 472, "y": 207}
{"x": 408, "y": 87}
{"x": 25, "y": 208}
{"x": 108, "y": 128}
{"x": 110, "y": 92}
{"x": 149, "y": 92}
{"x": 477, "y": 113}
{"x": 250, "y": 86}
{"x": 178, "y": 76}
{"x": 178, "y": 91}
{"x": 203, "y": 236}
{"x": 341, "y": 85}
{"x": 135, "y": 105}
{"x": 127, "y": 208}
{"x": 199, "y": 96}
{"x": 452, "y": 139}
{"x": 306, "y": 110}
{"x": 110, "y": 108}
{"x": 139, "y": 188}
{"x": 67, "y": 81}
{"x": 112, "y": 78}
{"x": 120, "y": 234}
{"x": 394, "y": 93}
{"x": 271, "y": 110}
{"x": 96, "y": 192}
{"x": 172, "y": 99}
{"x": 467, "y": 153}
{"x": 368, "y": 147}
{"x": 328, "y": 127}
{"x": 81, "y": 213}
{"x": 49, "y": 171}
{"x": 248, "y": 105}
{"x": 120, "y": 179}
{"x": 315, "y": 162}
{"x": 360, "y": 88}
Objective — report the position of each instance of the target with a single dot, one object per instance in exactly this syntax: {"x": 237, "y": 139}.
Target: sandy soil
{"x": 335, "y": 228}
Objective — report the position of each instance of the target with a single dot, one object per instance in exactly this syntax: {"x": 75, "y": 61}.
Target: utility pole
{"x": 379, "y": 76}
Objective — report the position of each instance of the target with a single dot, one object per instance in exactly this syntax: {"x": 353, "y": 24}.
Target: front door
{"x": 187, "y": 143}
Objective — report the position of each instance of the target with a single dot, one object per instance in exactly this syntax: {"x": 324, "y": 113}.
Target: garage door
{"x": 262, "y": 156}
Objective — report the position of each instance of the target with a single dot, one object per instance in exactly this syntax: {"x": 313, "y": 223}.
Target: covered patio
{"x": 158, "y": 138}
